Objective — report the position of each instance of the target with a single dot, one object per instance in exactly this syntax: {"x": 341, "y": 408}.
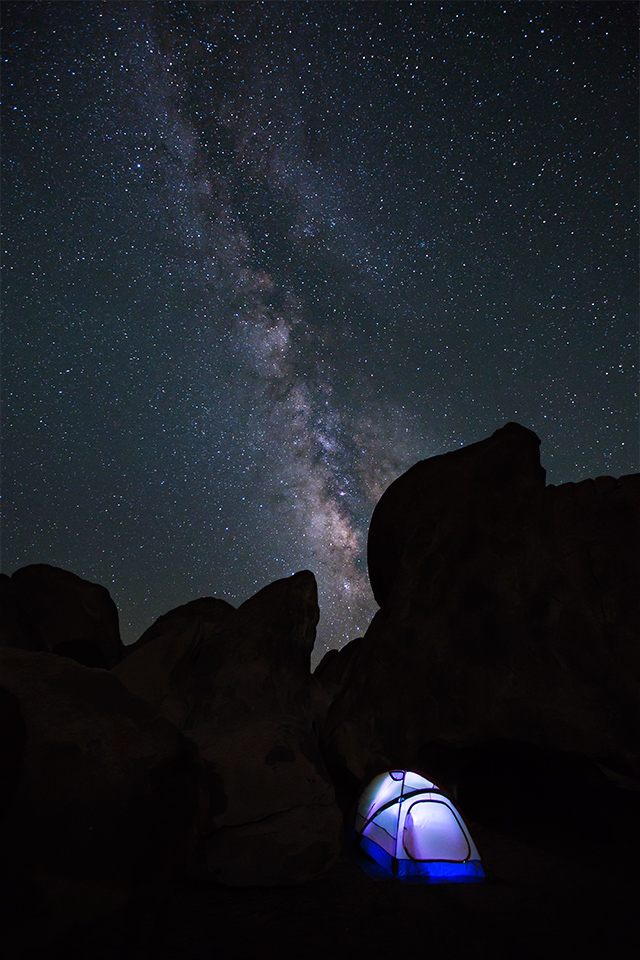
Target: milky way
{"x": 261, "y": 258}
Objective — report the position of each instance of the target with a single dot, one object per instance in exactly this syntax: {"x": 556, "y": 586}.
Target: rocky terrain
{"x": 509, "y": 611}
{"x": 188, "y": 792}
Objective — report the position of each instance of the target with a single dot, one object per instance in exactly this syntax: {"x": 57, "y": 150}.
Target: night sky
{"x": 263, "y": 257}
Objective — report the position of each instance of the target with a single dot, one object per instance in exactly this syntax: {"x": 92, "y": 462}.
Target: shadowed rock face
{"x": 242, "y": 690}
{"x": 210, "y": 610}
{"x": 160, "y": 666}
{"x": 509, "y": 610}
{"x": 102, "y": 798}
{"x": 453, "y": 496}
{"x": 162, "y": 670}
{"x": 45, "y": 608}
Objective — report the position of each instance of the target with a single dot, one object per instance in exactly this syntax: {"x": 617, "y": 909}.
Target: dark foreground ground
{"x": 543, "y": 900}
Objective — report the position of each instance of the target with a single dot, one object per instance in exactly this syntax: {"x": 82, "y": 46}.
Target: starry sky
{"x": 260, "y": 258}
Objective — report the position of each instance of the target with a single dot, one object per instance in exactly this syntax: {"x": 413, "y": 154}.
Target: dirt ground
{"x": 540, "y": 901}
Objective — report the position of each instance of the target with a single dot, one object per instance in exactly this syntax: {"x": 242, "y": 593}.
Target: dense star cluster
{"x": 262, "y": 257}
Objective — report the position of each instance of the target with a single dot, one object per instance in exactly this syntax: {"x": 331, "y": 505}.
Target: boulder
{"x": 333, "y": 670}
{"x": 479, "y": 491}
{"x": 210, "y": 610}
{"x": 242, "y": 690}
{"x": 280, "y": 824}
{"x": 102, "y": 799}
{"x": 161, "y": 671}
{"x": 159, "y": 667}
{"x": 509, "y": 610}
{"x": 48, "y": 609}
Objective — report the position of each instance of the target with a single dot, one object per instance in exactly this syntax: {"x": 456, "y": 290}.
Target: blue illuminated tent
{"x": 412, "y": 830}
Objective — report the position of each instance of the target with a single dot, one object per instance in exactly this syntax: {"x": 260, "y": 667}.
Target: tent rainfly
{"x": 411, "y": 829}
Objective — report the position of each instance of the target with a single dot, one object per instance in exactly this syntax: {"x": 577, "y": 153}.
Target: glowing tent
{"x": 411, "y": 829}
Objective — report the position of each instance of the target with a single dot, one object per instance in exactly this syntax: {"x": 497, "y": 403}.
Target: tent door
{"x": 433, "y": 832}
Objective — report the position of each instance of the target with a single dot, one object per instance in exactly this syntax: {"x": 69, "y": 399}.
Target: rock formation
{"x": 210, "y": 610}
{"x": 509, "y": 611}
{"x": 160, "y": 666}
{"x": 504, "y": 657}
{"x": 101, "y": 798}
{"x": 48, "y": 609}
{"x": 241, "y": 689}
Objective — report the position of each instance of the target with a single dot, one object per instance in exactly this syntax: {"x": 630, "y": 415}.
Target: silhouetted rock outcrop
{"x": 509, "y": 610}
{"x": 210, "y": 610}
{"x": 102, "y": 798}
{"x": 333, "y": 670}
{"x": 160, "y": 666}
{"x": 162, "y": 671}
{"x": 45, "y": 608}
{"x": 242, "y": 690}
